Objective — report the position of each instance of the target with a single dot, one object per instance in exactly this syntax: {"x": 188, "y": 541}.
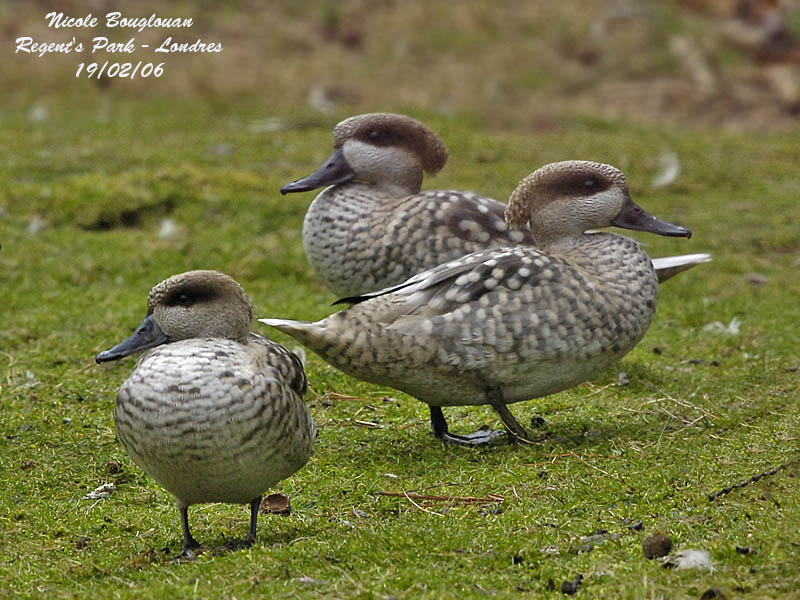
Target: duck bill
{"x": 147, "y": 335}
{"x": 633, "y": 216}
{"x": 335, "y": 170}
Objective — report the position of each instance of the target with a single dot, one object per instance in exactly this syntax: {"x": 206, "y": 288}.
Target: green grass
{"x": 704, "y": 411}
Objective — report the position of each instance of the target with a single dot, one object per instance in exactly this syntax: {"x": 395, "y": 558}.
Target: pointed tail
{"x": 669, "y": 266}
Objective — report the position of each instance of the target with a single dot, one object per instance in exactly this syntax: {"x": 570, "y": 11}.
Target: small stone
{"x": 713, "y": 594}
{"x": 744, "y": 549}
{"x": 517, "y": 559}
{"x": 571, "y": 587}
{"x": 656, "y": 545}
{"x": 756, "y": 278}
{"x": 113, "y": 467}
{"x": 538, "y": 422}
{"x": 491, "y": 510}
{"x": 622, "y": 379}
{"x": 82, "y": 542}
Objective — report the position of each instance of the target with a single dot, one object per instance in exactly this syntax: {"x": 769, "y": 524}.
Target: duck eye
{"x": 374, "y": 135}
{"x": 183, "y": 300}
{"x": 589, "y": 183}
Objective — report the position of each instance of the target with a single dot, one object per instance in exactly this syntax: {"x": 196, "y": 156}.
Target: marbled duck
{"x": 212, "y": 412}
{"x": 373, "y": 227}
{"x": 509, "y": 324}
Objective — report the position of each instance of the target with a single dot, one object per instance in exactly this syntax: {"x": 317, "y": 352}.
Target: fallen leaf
{"x": 276, "y": 504}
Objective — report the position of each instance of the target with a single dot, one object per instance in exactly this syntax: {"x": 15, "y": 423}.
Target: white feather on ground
{"x": 690, "y": 559}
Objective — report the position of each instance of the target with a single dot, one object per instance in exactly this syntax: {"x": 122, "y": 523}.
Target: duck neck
{"x": 398, "y": 189}
{"x": 608, "y": 257}
{"x": 558, "y": 243}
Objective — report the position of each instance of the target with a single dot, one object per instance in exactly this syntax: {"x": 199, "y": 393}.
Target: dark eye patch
{"x": 187, "y": 295}
{"x": 379, "y": 136}
{"x": 579, "y": 184}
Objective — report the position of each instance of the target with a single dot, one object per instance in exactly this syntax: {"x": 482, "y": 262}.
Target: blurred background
{"x": 517, "y": 64}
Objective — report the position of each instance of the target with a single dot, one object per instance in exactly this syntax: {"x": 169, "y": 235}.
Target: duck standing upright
{"x": 212, "y": 412}
{"x": 373, "y": 227}
{"x": 510, "y": 324}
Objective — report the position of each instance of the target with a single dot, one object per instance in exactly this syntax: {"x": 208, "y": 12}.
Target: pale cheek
{"x": 381, "y": 164}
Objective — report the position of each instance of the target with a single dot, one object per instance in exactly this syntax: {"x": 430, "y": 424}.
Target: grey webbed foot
{"x": 482, "y": 437}
{"x": 188, "y": 553}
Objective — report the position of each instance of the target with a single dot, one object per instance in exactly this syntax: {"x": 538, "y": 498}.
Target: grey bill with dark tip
{"x": 633, "y": 216}
{"x": 335, "y": 170}
{"x": 147, "y": 335}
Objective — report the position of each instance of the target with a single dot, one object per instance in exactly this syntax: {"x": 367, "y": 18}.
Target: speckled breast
{"x": 212, "y": 421}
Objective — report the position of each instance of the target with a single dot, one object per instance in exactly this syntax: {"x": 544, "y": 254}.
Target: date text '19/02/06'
{"x": 122, "y": 70}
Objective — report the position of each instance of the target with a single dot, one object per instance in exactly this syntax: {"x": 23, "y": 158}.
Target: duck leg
{"x": 250, "y": 538}
{"x": 190, "y": 545}
{"x": 255, "y": 505}
{"x": 478, "y": 438}
{"x": 518, "y": 432}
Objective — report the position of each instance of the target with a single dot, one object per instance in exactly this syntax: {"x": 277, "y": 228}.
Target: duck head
{"x": 564, "y": 199}
{"x": 195, "y": 304}
{"x": 381, "y": 149}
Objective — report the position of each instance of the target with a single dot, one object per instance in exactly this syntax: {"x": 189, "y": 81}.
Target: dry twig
{"x": 746, "y": 482}
{"x": 412, "y": 496}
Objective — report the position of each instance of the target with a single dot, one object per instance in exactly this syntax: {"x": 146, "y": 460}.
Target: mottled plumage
{"x": 504, "y": 325}
{"x": 373, "y": 227}
{"x": 214, "y": 413}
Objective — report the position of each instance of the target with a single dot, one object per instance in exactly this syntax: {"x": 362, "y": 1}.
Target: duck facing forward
{"x": 212, "y": 412}
{"x": 374, "y": 228}
{"x": 505, "y": 325}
